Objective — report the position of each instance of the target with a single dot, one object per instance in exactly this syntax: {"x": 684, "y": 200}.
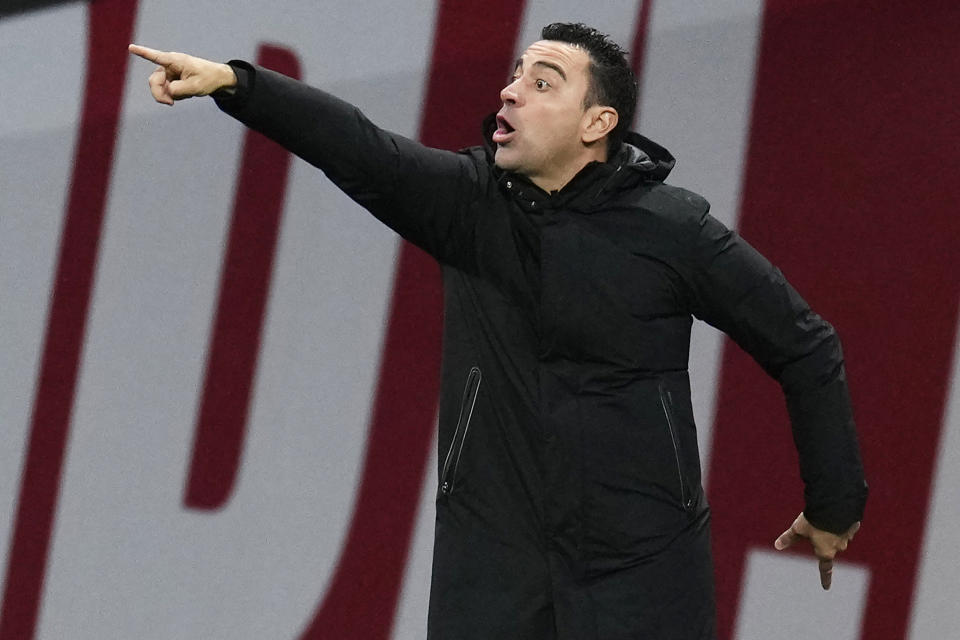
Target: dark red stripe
{"x": 110, "y": 29}
{"x": 849, "y": 189}
{"x": 238, "y": 327}
{"x": 639, "y": 52}
{"x": 362, "y": 599}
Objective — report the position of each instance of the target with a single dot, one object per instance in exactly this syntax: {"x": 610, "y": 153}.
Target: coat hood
{"x": 639, "y": 159}
{"x": 644, "y": 155}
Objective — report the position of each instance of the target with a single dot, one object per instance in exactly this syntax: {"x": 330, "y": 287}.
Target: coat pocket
{"x": 666, "y": 402}
{"x": 448, "y": 475}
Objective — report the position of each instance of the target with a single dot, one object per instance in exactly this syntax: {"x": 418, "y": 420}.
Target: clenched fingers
{"x": 159, "y": 86}
{"x": 186, "y": 88}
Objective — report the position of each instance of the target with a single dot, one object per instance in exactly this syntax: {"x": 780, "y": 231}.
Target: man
{"x": 569, "y": 503}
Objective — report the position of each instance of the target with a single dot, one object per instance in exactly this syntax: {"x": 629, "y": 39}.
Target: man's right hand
{"x": 180, "y": 76}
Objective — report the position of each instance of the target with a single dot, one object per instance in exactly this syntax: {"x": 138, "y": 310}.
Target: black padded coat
{"x": 569, "y": 502}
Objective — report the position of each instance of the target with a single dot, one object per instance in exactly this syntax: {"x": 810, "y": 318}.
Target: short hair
{"x": 612, "y": 83}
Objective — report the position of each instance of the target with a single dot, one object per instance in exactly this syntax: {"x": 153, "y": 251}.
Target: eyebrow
{"x": 548, "y": 65}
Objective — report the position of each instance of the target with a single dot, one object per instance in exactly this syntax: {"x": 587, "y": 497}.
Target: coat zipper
{"x": 666, "y": 401}
{"x": 467, "y": 403}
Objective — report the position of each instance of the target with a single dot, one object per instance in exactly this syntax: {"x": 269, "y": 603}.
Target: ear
{"x": 598, "y": 122}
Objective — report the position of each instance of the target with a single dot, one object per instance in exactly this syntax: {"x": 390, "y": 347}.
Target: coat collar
{"x": 639, "y": 159}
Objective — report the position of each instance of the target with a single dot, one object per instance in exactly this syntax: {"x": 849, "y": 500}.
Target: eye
{"x": 542, "y": 84}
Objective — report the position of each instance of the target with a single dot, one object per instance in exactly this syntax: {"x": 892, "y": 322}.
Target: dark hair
{"x": 612, "y": 83}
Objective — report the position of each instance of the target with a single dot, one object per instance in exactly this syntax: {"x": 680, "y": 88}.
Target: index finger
{"x": 160, "y": 57}
{"x": 826, "y": 573}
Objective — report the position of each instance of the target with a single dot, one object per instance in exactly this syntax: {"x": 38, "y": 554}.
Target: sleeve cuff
{"x": 236, "y": 96}
{"x": 838, "y": 516}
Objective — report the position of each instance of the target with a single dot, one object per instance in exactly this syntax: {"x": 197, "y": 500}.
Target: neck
{"x": 553, "y": 184}
{"x": 559, "y": 179}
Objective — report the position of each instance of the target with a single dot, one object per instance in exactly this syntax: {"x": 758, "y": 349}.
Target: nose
{"x": 509, "y": 93}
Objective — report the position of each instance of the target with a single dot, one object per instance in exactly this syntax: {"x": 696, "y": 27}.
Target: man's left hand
{"x": 826, "y": 545}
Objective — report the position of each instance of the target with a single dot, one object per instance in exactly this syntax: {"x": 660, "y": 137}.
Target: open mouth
{"x": 504, "y": 131}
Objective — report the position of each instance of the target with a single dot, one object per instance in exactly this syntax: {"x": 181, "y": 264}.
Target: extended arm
{"x": 424, "y": 194}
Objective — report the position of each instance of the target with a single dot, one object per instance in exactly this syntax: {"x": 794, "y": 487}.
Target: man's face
{"x": 542, "y": 120}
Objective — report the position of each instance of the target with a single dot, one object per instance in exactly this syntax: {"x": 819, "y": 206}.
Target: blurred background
{"x": 217, "y": 390}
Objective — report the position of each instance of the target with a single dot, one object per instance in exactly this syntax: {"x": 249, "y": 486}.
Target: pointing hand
{"x": 180, "y": 76}
{"x": 826, "y": 545}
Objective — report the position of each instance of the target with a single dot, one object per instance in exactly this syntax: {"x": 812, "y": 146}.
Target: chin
{"x": 506, "y": 159}
{"x": 508, "y": 162}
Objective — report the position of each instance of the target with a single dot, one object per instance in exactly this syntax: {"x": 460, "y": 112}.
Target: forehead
{"x": 568, "y": 57}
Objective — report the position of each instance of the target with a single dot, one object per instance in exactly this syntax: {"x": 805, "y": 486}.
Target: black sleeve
{"x": 421, "y": 193}
{"x": 739, "y": 292}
